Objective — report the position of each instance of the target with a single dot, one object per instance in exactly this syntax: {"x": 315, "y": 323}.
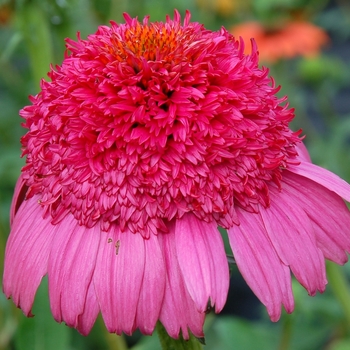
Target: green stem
{"x": 116, "y": 342}
{"x": 286, "y": 333}
{"x": 340, "y": 286}
{"x": 169, "y": 343}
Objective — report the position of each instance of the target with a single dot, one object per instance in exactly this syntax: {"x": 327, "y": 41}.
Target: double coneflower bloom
{"x": 146, "y": 139}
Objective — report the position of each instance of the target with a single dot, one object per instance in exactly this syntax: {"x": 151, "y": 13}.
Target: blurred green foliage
{"x": 32, "y": 36}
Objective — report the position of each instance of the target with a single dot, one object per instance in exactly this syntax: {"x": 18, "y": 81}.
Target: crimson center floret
{"x": 144, "y": 122}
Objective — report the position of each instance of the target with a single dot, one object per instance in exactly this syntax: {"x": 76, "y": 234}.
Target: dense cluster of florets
{"x": 144, "y": 122}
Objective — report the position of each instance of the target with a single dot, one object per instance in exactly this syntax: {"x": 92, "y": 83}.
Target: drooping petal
{"x": 179, "y": 312}
{"x": 329, "y": 215}
{"x": 291, "y": 233}
{"x": 202, "y": 260}
{"x": 265, "y": 273}
{"x": 26, "y": 254}
{"x": 153, "y": 286}
{"x": 323, "y": 177}
{"x": 87, "y": 318}
{"x": 70, "y": 269}
{"x": 18, "y": 197}
{"x": 118, "y": 278}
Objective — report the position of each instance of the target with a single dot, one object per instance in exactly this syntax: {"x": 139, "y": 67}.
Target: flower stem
{"x": 116, "y": 342}
{"x": 169, "y": 343}
{"x": 286, "y": 335}
{"x": 340, "y": 287}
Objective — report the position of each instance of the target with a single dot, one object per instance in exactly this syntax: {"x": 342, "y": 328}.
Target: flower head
{"x": 146, "y": 139}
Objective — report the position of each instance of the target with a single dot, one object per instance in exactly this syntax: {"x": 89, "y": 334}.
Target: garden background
{"x": 306, "y": 45}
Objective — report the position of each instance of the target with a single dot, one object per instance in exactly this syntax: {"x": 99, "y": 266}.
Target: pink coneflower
{"x": 147, "y": 138}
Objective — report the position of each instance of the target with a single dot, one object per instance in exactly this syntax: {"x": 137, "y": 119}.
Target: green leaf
{"x": 239, "y": 334}
{"x": 343, "y": 344}
{"x": 35, "y": 28}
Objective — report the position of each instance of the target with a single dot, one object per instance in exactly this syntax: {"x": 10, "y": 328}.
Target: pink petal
{"x": 323, "y": 177}
{"x": 153, "y": 286}
{"x": 328, "y": 213}
{"x": 71, "y": 266}
{"x": 18, "y": 197}
{"x": 267, "y": 276}
{"x": 178, "y": 312}
{"x": 202, "y": 260}
{"x": 27, "y": 253}
{"x": 118, "y": 278}
{"x": 87, "y": 318}
{"x": 303, "y": 153}
{"x": 291, "y": 233}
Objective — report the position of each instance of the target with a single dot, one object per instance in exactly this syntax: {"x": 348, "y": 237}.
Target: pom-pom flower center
{"x": 143, "y": 123}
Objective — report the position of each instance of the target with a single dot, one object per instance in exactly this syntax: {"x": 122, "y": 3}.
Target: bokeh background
{"x": 306, "y": 44}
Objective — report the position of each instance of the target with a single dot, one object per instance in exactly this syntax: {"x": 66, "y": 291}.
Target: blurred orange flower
{"x": 224, "y": 8}
{"x": 5, "y": 14}
{"x": 296, "y": 38}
